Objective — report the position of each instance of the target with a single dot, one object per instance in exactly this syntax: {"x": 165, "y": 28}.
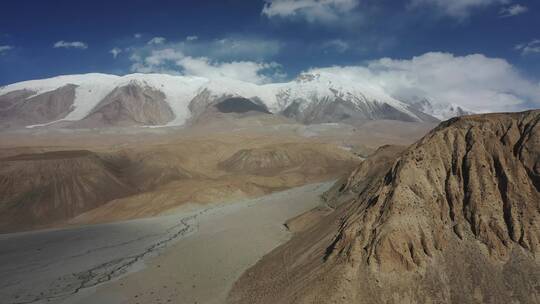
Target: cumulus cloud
{"x": 5, "y": 48}
{"x": 156, "y": 41}
{"x": 532, "y": 47}
{"x": 192, "y": 38}
{"x": 176, "y": 62}
{"x": 71, "y": 45}
{"x": 115, "y": 52}
{"x": 513, "y": 10}
{"x": 475, "y": 82}
{"x": 325, "y": 11}
{"x": 257, "y": 72}
{"x": 157, "y": 61}
{"x": 456, "y": 8}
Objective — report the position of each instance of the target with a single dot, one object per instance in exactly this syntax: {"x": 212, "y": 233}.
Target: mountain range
{"x": 102, "y": 100}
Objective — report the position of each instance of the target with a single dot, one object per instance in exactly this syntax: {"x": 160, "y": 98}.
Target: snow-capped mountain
{"x": 101, "y": 100}
{"x": 318, "y": 98}
{"x": 438, "y": 110}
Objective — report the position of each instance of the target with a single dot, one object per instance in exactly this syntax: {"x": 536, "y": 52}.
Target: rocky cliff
{"x": 454, "y": 219}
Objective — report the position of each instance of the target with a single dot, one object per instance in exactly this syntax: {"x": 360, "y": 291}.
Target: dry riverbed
{"x": 184, "y": 257}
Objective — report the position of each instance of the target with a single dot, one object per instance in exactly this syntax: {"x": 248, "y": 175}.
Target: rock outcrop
{"x": 456, "y": 219}
{"x": 21, "y": 108}
{"x": 130, "y": 105}
{"x": 273, "y": 159}
{"x": 43, "y": 188}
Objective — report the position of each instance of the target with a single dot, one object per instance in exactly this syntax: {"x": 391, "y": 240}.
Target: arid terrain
{"x": 193, "y": 208}
{"x": 184, "y": 257}
{"x": 270, "y": 152}
{"x": 454, "y": 218}
{"x": 91, "y": 176}
{"x": 243, "y": 204}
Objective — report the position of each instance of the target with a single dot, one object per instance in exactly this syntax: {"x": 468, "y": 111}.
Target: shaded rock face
{"x": 368, "y": 173}
{"x": 206, "y": 106}
{"x": 328, "y": 110}
{"x": 18, "y": 108}
{"x": 130, "y": 105}
{"x": 456, "y": 219}
{"x": 240, "y": 105}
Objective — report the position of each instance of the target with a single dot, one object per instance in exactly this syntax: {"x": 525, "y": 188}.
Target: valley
{"x": 302, "y": 192}
{"x": 191, "y": 256}
{"x": 270, "y": 152}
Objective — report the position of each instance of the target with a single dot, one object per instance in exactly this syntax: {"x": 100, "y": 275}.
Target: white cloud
{"x": 243, "y": 58}
{"x": 242, "y": 70}
{"x": 475, "y": 82}
{"x": 156, "y": 41}
{"x": 456, "y": 8}
{"x": 231, "y": 48}
{"x": 175, "y": 62}
{"x": 513, "y": 10}
{"x": 115, "y": 52}
{"x": 5, "y": 48}
{"x": 70, "y": 45}
{"x": 325, "y": 11}
{"x": 137, "y": 35}
{"x": 337, "y": 45}
{"x": 157, "y": 61}
{"x": 532, "y": 47}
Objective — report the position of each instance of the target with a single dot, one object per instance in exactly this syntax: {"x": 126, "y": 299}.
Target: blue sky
{"x": 269, "y": 40}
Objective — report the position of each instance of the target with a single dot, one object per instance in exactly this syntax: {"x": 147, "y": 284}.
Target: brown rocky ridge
{"x": 454, "y": 219}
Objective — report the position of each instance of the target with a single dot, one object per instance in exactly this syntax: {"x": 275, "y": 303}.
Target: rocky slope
{"x": 48, "y": 186}
{"x": 274, "y": 159}
{"x": 22, "y": 107}
{"x": 455, "y": 219}
{"x": 130, "y": 105}
{"x": 42, "y": 188}
{"x": 101, "y": 101}
{"x": 364, "y": 177}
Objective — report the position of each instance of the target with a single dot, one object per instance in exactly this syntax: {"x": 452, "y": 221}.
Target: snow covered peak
{"x": 315, "y": 92}
{"x": 307, "y": 77}
{"x": 41, "y": 86}
{"x": 439, "y": 110}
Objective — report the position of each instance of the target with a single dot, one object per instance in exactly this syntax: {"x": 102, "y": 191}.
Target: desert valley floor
{"x": 185, "y": 257}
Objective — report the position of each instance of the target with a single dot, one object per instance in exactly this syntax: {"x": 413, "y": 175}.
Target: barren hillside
{"x": 52, "y": 186}
{"x": 455, "y": 219}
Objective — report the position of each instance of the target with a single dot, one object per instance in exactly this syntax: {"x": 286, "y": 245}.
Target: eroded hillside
{"x": 54, "y": 186}
{"x": 455, "y": 219}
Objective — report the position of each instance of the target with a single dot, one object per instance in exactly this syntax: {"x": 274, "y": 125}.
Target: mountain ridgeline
{"x": 102, "y": 101}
